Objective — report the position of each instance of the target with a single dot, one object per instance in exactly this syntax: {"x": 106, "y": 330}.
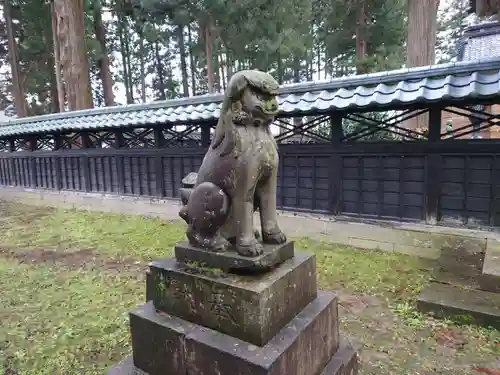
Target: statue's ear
{"x": 237, "y": 87}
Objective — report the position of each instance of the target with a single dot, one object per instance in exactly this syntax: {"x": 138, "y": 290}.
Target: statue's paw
{"x": 219, "y": 244}
{"x": 232, "y": 240}
{"x": 251, "y": 249}
{"x": 274, "y": 238}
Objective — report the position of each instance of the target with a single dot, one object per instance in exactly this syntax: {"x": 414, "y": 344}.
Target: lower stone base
{"x": 463, "y": 305}
{"x": 343, "y": 362}
{"x": 308, "y": 345}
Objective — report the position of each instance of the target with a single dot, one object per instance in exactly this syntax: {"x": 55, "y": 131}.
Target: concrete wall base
{"x": 410, "y": 238}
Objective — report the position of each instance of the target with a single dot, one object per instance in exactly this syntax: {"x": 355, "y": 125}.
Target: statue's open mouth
{"x": 265, "y": 112}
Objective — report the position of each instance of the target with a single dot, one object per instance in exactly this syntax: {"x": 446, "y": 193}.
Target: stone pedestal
{"x": 205, "y": 321}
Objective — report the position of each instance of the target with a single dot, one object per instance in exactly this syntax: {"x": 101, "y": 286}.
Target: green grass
{"x": 144, "y": 239}
{"x": 56, "y": 321}
{"x": 66, "y": 319}
{"x": 112, "y": 235}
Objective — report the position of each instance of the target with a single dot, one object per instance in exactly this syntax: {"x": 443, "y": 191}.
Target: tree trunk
{"x": 123, "y": 52}
{"x": 318, "y": 52}
{"x": 360, "y": 39}
{"x": 222, "y": 73}
{"x": 229, "y": 67}
{"x": 71, "y": 35}
{"x": 160, "y": 73}
{"x": 142, "y": 63}
{"x": 57, "y": 62}
{"x": 182, "y": 51}
{"x": 216, "y": 68}
{"x": 209, "y": 56}
{"x": 52, "y": 65}
{"x": 422, "y": 24}
{"x": 17, "y": 82}
{"x": 192, "y": 64}
{"x": 103, "y": 61}
{"x": 126, "y": 40}
{"x": 487, "y": 8}
{"x": 420, "y": 44}
{"x": 280, "y": 70}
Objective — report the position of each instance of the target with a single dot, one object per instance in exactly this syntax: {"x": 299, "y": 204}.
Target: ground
{"x": 68, "y": 279}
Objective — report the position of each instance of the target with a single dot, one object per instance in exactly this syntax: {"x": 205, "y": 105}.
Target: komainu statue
{"x": 238, "y": 174}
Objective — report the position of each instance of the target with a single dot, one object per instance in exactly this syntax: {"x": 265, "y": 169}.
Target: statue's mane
{"x": 225, "y": 135}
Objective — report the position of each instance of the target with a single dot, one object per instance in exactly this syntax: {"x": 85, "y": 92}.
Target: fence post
{"x": 86, "y": 143}
{"x": 9, "y": 173}
{"x": 32, "y": 146}
{"x": 119, "y": 143}
{"x": 205, "y": 136}
{"x": 433, "y": 168}
{"x": 335, "y": 174}
{"x": 58, "y": 145}
{"x": 159, "y": 178}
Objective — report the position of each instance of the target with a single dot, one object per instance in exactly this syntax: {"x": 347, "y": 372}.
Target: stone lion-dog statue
{"x": 238, "y": 174}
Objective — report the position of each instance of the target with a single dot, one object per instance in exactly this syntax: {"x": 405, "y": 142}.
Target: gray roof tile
{"x": 459, "y": 80}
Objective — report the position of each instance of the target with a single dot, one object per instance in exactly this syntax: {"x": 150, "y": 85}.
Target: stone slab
{"x": 466, "y": 305}
{"x": 126, "y": 367}
{"x": 490, "y": 275}
{"x": 252, "y": 308}
{"x": 302, "y": 347}
{"x": 158, "y": 341}
{"x": 343, "y": 362}
{"x": 272, "y": 256}
{"x": 165, "y": 344}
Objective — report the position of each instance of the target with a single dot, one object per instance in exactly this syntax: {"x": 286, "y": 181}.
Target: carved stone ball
{"x": 210, "y": 206}
{"x": 190, "y": 180}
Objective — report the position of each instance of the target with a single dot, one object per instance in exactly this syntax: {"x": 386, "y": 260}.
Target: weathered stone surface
{"x": 190, "y": 180}
{"x": 302, "y": 347}
{"x": 230, "y": 260}
{"x": 252, "y": 308}
{"x": 309, "y": 344}
{"x": 126, "y": 367}
{"x": 150, "y": 286}
{"x": 239, "y": 172}
{"x": 465, "y": 304}
{"x": 344, "y": 362}
{"x": 490, "y": 276}
{"x": 463, "y": 258}
{"x": 158, "y": 341}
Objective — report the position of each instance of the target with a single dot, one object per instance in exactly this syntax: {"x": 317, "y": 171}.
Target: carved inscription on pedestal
{"x": 219, "y": 307}
{"x": 177, "y": 292}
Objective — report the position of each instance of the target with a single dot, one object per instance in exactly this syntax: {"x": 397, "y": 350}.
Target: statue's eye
{"x": 263, "y": 96}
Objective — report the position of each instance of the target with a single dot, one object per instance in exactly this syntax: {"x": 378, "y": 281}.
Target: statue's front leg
{"x": 266, "y": 195}
{"x": 246, "y": 243}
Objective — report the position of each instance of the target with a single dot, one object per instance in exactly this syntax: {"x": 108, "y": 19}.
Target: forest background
{"x": 65, "y": 55}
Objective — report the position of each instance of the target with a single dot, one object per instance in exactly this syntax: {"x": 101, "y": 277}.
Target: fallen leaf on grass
{"x": 448, "y": 338}
{"x": 354, "y": 304}
{"x": 488, "y": 371}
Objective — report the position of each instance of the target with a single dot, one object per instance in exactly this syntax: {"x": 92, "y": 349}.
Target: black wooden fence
{"x": 445, "y": 182}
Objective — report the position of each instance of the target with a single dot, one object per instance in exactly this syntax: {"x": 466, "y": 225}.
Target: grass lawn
{"x": 68, "y": 279}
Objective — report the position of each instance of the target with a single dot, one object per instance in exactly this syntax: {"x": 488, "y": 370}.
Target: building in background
{"x": 479, "y": 41}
